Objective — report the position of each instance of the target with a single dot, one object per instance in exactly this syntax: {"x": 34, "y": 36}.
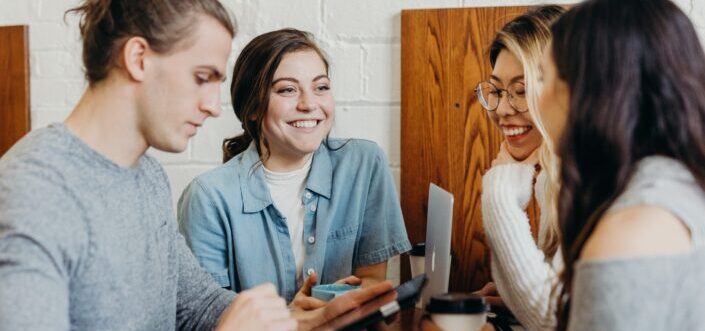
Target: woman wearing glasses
{"x": 524, "y": 271}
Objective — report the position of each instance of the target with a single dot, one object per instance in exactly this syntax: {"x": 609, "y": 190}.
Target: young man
{"x": 88, "y": 239}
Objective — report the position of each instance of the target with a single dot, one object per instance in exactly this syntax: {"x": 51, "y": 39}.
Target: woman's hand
{"x": 303, "y": 299}
{"x": 337, "y": 307}
{"x": 503, "y": 157}
{"x": 350, "y": 280}
{"x": 259, "y": 308}
{"x": 371, "y": 274}
{"x": 489, "y": 292}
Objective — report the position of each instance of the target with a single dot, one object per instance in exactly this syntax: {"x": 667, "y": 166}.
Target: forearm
{"x": 200, "y": 301}
{"x": 372, "y": 274}
{"x": 530, "y": 298}
{"x": 524, "y": 279}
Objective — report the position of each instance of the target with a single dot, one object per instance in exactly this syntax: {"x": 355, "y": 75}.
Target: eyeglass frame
{"x": 502, "y": 93}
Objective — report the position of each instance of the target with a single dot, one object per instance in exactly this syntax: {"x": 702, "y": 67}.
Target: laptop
{"x": 439, "y": 224}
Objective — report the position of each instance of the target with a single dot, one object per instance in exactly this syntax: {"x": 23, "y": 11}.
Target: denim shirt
{"x": 353, "y": 219}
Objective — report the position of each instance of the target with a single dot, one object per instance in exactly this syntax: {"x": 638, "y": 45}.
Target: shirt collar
{"x": 320, "y": 179}
{"x": 253, "y": 185}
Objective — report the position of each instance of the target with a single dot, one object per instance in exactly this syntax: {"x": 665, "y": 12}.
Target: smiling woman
{"x": 524, "y": 270}
{"x": 511, "y": 116}
{"x": 300, "y": 112}
{"x": 289, "y": 203}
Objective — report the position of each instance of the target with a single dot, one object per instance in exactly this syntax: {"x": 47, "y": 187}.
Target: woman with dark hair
{"x": 289, "y": 204}
{"x": 623, "y": 93}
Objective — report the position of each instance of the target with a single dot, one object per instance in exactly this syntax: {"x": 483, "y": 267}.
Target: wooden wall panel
{"x": 446, "y": 137}
{"x": 14, "y": 85}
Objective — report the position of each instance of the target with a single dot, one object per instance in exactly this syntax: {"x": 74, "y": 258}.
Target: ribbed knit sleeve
{"x": 523, "y": 276}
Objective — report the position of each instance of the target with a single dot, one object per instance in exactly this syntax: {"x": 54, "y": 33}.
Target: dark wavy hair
{"x": 636, "y": 74}
{"x": 252, "y": 79}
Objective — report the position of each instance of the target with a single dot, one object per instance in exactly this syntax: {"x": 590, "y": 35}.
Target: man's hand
{"x": 259, "y": 308}
{"x": 342, "y": 304}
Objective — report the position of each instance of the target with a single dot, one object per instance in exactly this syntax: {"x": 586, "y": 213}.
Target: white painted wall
{"x": 362, "y": 38}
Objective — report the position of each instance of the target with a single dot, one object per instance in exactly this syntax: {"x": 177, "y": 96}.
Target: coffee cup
{"x": 458, "y": 311}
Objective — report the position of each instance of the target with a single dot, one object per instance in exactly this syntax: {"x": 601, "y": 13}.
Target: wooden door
{"x": 14, "y": 85}
{"x": 446, "y": 137}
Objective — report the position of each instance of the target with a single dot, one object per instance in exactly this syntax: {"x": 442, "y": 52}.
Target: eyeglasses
{"x": 490, "y": 95}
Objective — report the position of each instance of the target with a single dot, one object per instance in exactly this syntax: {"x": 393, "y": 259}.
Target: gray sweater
{"x": 648, "y": 293}
{"x": 88, "y": 245}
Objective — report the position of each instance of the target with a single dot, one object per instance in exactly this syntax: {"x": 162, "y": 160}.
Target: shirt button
{"x": 313, "y": 207}
{"x": 310, "y": 271}
{"x": 311, "y": 239}
{"x": 308, "y": 195}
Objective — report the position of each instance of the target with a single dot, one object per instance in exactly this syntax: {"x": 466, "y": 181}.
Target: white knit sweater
{"x": 523, "y": 275}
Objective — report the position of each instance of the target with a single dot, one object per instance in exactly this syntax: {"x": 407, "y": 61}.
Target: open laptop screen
{"x": 439, "y": 224}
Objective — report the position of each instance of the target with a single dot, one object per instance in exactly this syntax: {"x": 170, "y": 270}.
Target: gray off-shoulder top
{"x": 648, "y": 293}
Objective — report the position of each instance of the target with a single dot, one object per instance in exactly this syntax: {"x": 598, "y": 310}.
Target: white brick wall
{"x": 362, "y": 38}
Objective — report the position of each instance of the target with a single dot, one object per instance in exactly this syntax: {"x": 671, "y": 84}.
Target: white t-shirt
{"x": 287, "y": 189}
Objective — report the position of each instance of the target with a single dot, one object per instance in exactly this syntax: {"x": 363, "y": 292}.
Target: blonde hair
{"x": 526, "y": 37}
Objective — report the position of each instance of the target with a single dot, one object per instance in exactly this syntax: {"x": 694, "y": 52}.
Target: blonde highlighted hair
{"x": 526, "y": 37}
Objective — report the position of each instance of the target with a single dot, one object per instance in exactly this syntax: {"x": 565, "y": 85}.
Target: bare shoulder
{"x": 637, "y": 231}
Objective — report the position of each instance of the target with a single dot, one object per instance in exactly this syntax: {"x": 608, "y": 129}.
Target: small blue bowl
{"x": 330, "y": 291}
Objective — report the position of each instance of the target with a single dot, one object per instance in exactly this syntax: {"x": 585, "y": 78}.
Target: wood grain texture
{"x": 14, "y": 85}
{"x": 446, "y": 137}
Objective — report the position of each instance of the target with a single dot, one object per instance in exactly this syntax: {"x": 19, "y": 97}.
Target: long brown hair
{"x": 636, "y": 74}
{"x": 106, "y": 25}
{"x": 526, "y": 36}
{"x": 252, "y": 81}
